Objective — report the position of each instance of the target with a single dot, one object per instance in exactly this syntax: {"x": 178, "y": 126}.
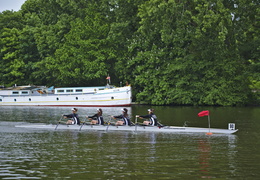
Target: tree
{"x": 188, "y": 55}
{"x": 172, "y": 52}
{"x": 81, "y": 57}
{"x": 12, "y": 66}
{"x": 246, "y": 26}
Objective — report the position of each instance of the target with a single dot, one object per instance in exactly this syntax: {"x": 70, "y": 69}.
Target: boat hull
{"x": 165, "y": 129}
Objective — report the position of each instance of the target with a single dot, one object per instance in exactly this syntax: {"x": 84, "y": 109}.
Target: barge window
{"x": 15, "y": 100}
{"x": 57, "y": 99}
{"x": 60, "y": 91}
{"x": 69, "y": 90}
{"x": 30, "y": 99}
{"x": 1, "y": 100}
{"x": 25, "y": 92}
{"x": 15, "y": 92}
{"x": 77, "y": 98}
{"x": 79, "y": 90}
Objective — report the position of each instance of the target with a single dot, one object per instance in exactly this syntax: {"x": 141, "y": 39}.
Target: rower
{"x": 125, "y": 120}
{"x": 97, "y": 118}
{"x": 152, "y": 118}
{"x": 74, "y": 117}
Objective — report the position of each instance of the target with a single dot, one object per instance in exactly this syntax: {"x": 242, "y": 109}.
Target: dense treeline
{"x": 192, "y": 52}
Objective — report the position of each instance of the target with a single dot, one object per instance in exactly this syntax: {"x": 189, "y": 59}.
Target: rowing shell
{"x": 165, "y": 129}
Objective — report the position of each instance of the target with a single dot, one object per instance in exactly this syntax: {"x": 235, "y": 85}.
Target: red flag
{"x": 203, "y": 113}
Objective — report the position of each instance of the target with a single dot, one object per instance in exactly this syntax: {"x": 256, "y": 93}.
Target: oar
{"x": 58, "y": 122}
{"x": 135, "y": 123}
{"x": 82, "y": 124}
{"x": 109, "y": 122}
{"x": 160, "y": 124}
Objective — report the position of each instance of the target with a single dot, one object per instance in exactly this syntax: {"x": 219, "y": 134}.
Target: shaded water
{"x": 63, "y": 154}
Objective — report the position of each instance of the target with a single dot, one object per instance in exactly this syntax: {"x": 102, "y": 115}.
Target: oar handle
{"x": 61, "y": 118}
{"x": 59, "y": 121}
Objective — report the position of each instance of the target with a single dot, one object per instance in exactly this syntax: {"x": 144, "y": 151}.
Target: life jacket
{"x": 100, "y": 120}
{"x": 153, "y": 120}
{"x": 127, "y": 121}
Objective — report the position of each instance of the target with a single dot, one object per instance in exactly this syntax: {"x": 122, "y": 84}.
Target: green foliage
{"x": 172, "y": 52}
{"x": 190, "y": 55}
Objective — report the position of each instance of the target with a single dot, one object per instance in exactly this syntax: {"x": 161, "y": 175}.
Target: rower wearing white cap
{"x": 152, "y": 118}
{"x": 74, "y": 117}
{"x": 125, "y": 120}
{"x": 97, "y": 118}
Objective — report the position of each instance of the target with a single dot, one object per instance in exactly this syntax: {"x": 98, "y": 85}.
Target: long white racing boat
{"x": 101, "y": 96}
{"x": 137, "y": 128}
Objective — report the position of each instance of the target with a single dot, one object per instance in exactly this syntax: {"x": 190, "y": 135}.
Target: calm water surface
{"x": 62, "y": 154}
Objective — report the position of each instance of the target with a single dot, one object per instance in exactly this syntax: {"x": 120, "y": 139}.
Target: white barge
{"x": 101, "y": 96}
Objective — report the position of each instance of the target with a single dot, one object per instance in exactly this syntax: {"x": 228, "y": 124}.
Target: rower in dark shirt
{"x": 97, "y": 118}
{"x": 125, "y": 120}
{"x": 152, "y": 118}
{"x": 74, "y": 117}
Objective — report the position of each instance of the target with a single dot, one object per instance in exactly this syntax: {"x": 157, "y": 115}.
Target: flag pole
{"x": 209, "y": 133}
{"x": 206, "y": 113}
{"x": 209, "y": 122}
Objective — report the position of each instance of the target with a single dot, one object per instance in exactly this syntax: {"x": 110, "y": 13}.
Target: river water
{"x": 70, "y": 154}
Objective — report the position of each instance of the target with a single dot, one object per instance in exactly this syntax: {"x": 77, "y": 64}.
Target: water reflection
{"x": 211, "y": 146}
{"x": 204, "y": 157}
